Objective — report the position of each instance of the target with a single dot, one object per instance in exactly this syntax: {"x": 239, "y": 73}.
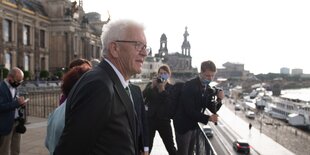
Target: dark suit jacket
{"x": 191, "y": 108}
{"x": 7, "y": 109}
{"x": 143, "y": 136}
{"x": 100, "y": 118}
{"x": 157, "y": 102}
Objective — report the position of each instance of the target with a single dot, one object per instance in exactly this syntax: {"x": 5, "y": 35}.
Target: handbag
{"x": 21, "y": 128}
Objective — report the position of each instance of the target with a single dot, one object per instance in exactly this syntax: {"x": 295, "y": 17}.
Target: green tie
{"x": 128, "y": 92}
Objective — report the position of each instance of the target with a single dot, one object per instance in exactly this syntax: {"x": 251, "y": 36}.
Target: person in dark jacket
{"x": 195, "y": 98}
{"x": 56, "y": 120}
{"x": 10, "y": 103}
{"x": 143, "y": 136}
{"x": 100, "y": 116}
{"x": 156, "y": 97}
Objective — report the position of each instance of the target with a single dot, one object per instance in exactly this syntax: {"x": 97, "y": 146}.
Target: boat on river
{"x": 294, "y": 111}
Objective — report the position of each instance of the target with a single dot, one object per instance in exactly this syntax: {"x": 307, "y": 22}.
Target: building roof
{"x": 33, "y": 5}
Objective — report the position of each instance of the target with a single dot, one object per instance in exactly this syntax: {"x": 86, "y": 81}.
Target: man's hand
{"x": 161, "y": 86}
{"x": 213, "y": 118}
{"x": 21, "y": 100}
{"x": 220, "y": 94}
{"x": 144, "y": 153}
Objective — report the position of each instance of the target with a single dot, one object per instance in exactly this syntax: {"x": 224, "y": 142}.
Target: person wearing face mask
{"x": 10, "y": 102}
{"x": 156, "y": 95}
{"x": 194, "y": 100}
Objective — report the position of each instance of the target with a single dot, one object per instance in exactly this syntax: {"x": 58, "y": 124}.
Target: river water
{"x": 302, "y": 94}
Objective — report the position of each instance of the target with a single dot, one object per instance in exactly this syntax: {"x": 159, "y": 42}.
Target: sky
{"x": 263, "y": 35}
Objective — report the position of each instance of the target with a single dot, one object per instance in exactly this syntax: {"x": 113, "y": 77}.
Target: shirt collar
{"x": 119, "y": 75}
{"x": 8, "y": 84}
{"x": 12, "y": 89}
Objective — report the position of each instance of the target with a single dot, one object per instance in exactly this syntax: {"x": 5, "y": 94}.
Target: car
{"x": 250, "y": 114}
{"x": 237, "y": 107}
{"x": 208, "y": 131}
{"x": 241, "y": 145}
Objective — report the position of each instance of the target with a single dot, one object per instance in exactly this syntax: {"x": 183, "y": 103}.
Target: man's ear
{"x": 114, "y": 49}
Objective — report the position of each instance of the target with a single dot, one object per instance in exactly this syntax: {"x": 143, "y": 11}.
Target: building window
{"x": 26, "y": 35}
{"x": 92, "y": 51}
{"x": 8, "y": 61}
{"x": 42, "y": 38}
{"x": 7, "y": 30}
{"x": 75, "y": 45}
{"x": 26, "y": 63}
{"x": 43, "y": 67}
{"x": 98, "y": 52}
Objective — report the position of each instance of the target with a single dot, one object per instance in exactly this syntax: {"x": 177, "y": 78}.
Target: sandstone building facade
{"x": 39, "y": 35}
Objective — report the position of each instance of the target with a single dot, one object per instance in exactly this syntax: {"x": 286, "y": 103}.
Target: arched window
{"x": 7, "y": 30}
{"x": 26, "y": 35}
{"x": 43, "y": 67}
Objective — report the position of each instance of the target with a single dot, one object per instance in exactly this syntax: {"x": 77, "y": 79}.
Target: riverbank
{"x": 292, "y": 138}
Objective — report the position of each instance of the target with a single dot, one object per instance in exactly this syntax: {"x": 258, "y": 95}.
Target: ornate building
{"x": 180, "y": 63}
{"x": 47, "y": 34}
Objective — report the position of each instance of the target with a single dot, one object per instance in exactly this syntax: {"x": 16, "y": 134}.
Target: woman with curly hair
{"x": 56, "y": 120}
{"x": 74, "y": 63}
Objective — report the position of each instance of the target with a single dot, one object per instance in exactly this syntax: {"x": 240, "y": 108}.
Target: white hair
{"x": 117, "y": 30}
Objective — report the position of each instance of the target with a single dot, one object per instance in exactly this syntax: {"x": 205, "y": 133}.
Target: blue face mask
{"x": 205, "y": 82}
{"x": 164, "y": 76}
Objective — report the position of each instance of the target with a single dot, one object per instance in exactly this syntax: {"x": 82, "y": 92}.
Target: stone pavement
{"x": 32, "y": 142}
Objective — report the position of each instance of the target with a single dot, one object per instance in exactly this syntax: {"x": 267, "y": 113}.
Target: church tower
{"x": 180, "y": 63}
{"x": 186, "y": 47}
{"x": 81, "y": 3}
{"x": 163, "y": 50}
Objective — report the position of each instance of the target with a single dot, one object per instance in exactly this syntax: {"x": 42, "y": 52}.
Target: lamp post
{"x": 261, "y": 122}
{"x": 276, "y": 125}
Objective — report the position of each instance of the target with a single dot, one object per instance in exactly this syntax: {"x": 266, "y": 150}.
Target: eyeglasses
{"x": 138, "y": 45}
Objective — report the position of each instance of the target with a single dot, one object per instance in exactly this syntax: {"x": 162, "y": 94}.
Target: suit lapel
{"x": 6, "y": 90}
{"x": 135, "y": 97}
{"x": 126, "y": 101}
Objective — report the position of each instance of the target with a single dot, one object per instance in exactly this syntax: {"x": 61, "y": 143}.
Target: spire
{"x": 81, "y": 3}
{"x": 185, "y": 34}
{"x": 186, "y": 47}
{"x": 163, "y": 50}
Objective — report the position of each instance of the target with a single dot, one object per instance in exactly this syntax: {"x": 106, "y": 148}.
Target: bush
{"x": 59, "y": 74}
{"x": 5, "y": 72}
{"x": 44, "y": 74}
{"x": 26, "y": 75}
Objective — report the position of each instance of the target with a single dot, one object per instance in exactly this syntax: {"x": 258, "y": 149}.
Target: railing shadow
{"x": 203, "y": 146}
